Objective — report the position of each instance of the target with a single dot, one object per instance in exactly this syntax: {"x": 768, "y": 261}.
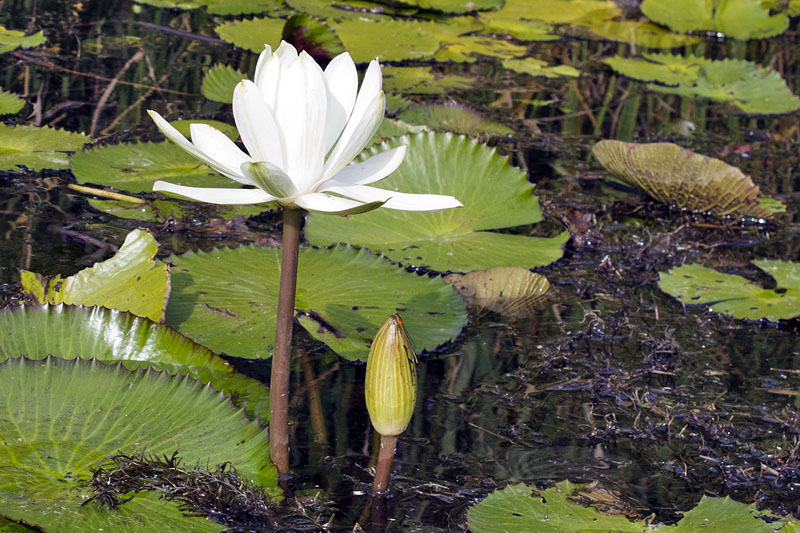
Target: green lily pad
{"x": 495, "y": 195}
{"x": 37, "y": 148}
{"x": 135, "y": 167}
{"x": 218, "y": 7}
{"x": 60, "y": 417}
{"x": 468, "y": 48}
{"x": 642, "y": 34}
{"x": 518, "y": 20}
{"x": 365, "y": 39}
{"x": 422, "y": 80}
{"x": 12, "y": 39}
{"x": 252, "y": 34}
{"x": 9, "y": 526}
{"x": 537, "y": 67}
{"x": 734, "y": 295}
{"x": 226, "y": 300}
{"x": 313, "y": 36}
{"x": 10, "y": 103}
{"x": 677, "y": 176}
{"x": 129, "y": 281}
{"x": 395, "y": 128}
{"x": 113, "y": 336}
{"x": 454, "y": 118}
{"x": 516, "y": 508}
{"x": 219, "y": 83}
{"x": 752, "y": 89}
{"x": 740, "y": 19}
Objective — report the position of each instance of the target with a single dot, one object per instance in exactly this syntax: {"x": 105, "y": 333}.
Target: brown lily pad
{"x": 508, "y": 290}
{"x": 680, "y": 177}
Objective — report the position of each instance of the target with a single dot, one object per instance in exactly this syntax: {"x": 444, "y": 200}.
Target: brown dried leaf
{"x": 677, "y": 176}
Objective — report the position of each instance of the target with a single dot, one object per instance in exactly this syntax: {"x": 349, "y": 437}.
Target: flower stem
{"x": 384, "y": 468}
{"x": 279, "y": 382}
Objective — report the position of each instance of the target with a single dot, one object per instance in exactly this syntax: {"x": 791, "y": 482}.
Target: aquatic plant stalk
{"x": 279, "y": 380}
{"x": 384, "y": 468}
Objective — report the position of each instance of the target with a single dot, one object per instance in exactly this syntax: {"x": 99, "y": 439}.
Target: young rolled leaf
{"x": 390, "y": 385}
{"x": 511, "y": 291}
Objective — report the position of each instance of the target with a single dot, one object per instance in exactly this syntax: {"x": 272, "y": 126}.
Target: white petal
{"x": 325, "y": 203}
{"x": 300, "y": 111}
{"x": 177, "y": 137}
{"x": 256, "y": 125}
{"x": 286, "y": 53}
{"x": 215, "y": 195}
{"x": 397, "y": 200}
{"x": 264, "y": 59}
{"x": 342, "y": 79}
{"x": 222, "y": 150}
{"x": 373, "y": 169}
{"x": 355, "y": 136}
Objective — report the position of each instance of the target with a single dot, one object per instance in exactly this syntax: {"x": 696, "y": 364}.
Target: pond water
{"x": 611, "y": 381}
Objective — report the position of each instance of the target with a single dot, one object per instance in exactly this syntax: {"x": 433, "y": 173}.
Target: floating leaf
{"x": 537, "y": 67}
{"x": 129, "y": 281}
{"x": 734, "y": 295}
{"x": 495, "y": 195}
{"x": 113, "y": 336}
{"x": 752, "y": 89}
{"x": 467, "y": 49}
{"x": 10, "y": 103}
{"x": 637, "y": 33}
{"x": 12, "y": 39}
{"x": 740, "y": 19}
{"x": 455, "y": 118}
{"x": 313, "y": 36}
{"x": 365, "y": 39}
{"x": 677, "y": 176}
{"x": 252, "y": 34}
{"x": 448, "y": 6}
{"x": 59, "y": 418}
{"x": 217, "y": 7}
{"x": 135, "y": 167}
{"x": 511, "y": 291}
{"x": 421, "y": 80}
{"x": 516, "y": 508}
{"x": 37, "y": 148}
{"x": 226, "y": 300}
{"x": 394, "y": 128}
{"x": 219, "y": 83}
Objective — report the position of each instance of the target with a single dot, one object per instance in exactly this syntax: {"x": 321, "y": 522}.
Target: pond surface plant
{"x": 639, "y": 346}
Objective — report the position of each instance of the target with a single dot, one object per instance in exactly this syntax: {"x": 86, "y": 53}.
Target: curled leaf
{"x": 511, "y": 291}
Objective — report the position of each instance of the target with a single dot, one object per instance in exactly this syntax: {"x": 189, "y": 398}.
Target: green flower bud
{"x": 390, "y": 385}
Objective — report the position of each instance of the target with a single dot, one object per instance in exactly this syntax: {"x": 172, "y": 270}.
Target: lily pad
{"x": 218, "y": 7}
{"x": 10, "y": 103}
{"x": 365, "y": 39}
{"x": 113, "y": 336}
{"x": 522, "y": 509}
{"x": 752, "y": 89}
{"x": 252, "y": 34}
{"x": 12, "y": 39}
{"x": 495, "y": 195}
{"x": 422, "y": 80}
{"x": 511, "y": 291}
{"x": 537, "y": 67}
{"x": 677, "y": 176}
{"x": 135, "y": 167}
{"x": 740, "y": 19}
{"x": 129, "y": 281}
{"x": 734, "y": 295}
{"x": 638, "y": 33}
{"x": 60, "y": 417}
{"x": 37, "y": 148}
{"x": 448, "y": 6}
{"x": 219, "y": 82}
{"x": 468, "y": 48}
{"x": 313, "y": 36}
{"x": 454, "y": 118}
{"x": 226, "y": 300}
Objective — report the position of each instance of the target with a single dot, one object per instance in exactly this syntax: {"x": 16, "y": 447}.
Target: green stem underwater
{"x": 281, "y": 362}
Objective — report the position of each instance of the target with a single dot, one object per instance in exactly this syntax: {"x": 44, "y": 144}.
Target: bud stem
{"x": 279, "y": 380}
{"x": 384, "y": 468}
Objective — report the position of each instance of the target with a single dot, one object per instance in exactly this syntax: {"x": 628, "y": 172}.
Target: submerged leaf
{"x": 734, "y": 295}
{"x": 454, "y": 118}
{"x": 511, "y": 291}
{"x": 537, "y": 67}
{"x": 13, "y": 39}
{"x": 677, "y": 176}
{"x": 225, "y": 299}
{"x": 495, "y": 195}
{"x": 129, "y": 281}
{"x": 60, "y": 417}
{"x": 752, "y": 89}
{"x": 740, "y": 19}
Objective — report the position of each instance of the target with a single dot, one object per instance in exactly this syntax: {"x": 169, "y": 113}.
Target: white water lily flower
{"x": 302, "y": 128}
